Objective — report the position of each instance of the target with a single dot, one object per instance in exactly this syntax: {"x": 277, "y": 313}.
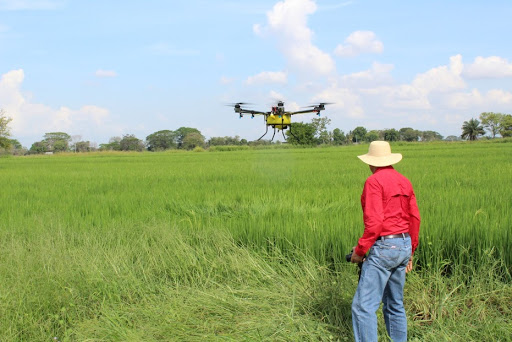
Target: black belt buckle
{"x": 394, "y": 236}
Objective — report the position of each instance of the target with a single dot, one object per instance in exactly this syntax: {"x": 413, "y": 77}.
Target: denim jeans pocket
{"x": 388, "y": 255}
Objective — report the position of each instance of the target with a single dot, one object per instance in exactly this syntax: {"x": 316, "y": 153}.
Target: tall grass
{"x": 309, "y": 197}
{"x": 164, "y": 283}
{"x": 242, "y": 245}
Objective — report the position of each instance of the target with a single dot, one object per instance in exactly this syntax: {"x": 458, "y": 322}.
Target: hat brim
{"x": 391, "y": 159}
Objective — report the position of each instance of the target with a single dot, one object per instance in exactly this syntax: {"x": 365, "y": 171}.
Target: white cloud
{"x": 492, "y": 100}
{"x": 34, "y": 119}
{"x": 489, "y": 67}
{"x": 359, "y": 42}
{"x": 437, "y": 99}
{"x": 105, "y": 73}
{"x": 17, "y": 5}
{"x": 287, "y": 23}
{"x": 267, "y": 77}
{"x": 403, "y": 96}
{"x": 441, "y": 79}
{"x": 343, "y": 100}
{"x": 379, "y": 74}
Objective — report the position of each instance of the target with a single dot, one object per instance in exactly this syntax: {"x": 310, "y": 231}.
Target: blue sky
{"x": 99, "y": 69}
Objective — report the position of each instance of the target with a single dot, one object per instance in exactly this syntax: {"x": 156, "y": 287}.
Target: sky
{"x": 101, "y": 69}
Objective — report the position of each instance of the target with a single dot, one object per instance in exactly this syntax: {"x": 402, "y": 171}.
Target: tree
{"x": 17, "y": 149}
{"x": 321, "y": 133}
{"x": 472, "y": 129}
{"x": 409, "y": 134}
{"x": 505, "y": 127}
{"x": 391, "y": 135}
{"x": 74, "y": 140}
{"x": 491, "y": 122}
{"x": 223, "y": 141}
{"x": 182, "y": 132}
{"x": 113, "y": 145}
{"x": 372, "y": 136}
{"x": 130, "y": 142}
{"x": 5, "y": 132}
{"x": 358, "y": 134}
{"x": 193, "y": 140}
{"x": 305, "y": 133}
{"x": 57, "y": 141}
{"x": 452, "y": 138}
{"x": 38, "y": 147}
{"x": 83, "y": 146}
{"x": 162, "y": 140}
{"x": 430, "y": 136}
{"x": 338, "y": 137}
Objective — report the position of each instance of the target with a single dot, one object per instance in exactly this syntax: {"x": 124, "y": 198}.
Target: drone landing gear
{"x": 266, "y": 134}
{"x": 284, "y": 136}
{"x": 293, "y": 135}
{"x": 273, "y": 135}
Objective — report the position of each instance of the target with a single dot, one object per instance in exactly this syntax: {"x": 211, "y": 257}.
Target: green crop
{"x": 104, "y": 244}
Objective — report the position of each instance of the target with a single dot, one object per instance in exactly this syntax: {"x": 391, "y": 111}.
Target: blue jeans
{"x": 382, "y": 279}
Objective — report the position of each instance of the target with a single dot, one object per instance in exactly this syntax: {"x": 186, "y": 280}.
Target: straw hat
{"x": 379, "y": 155}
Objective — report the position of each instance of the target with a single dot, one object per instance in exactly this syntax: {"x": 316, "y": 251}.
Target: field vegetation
{"x": 244, "y": 244}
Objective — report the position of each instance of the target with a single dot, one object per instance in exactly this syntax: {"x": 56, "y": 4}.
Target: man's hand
{"x": 408, "y": 268}
{"x": 356, "y": 259}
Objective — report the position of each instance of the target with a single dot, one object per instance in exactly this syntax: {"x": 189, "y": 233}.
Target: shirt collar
{"x": 389, "y": 167}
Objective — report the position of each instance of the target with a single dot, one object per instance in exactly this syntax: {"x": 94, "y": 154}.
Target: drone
{"x": 277, "y": 118}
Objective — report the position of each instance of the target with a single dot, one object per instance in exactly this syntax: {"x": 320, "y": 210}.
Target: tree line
{"x": 310, "y": 134}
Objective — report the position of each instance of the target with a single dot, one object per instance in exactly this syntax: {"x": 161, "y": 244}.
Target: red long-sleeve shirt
{"x": 389, "y": 207}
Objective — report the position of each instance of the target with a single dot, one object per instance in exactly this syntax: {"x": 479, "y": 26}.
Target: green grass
{"x": 243, "y": 245}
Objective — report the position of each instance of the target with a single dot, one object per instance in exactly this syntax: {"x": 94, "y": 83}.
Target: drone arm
{"x": 314, "y": 110}
{"x": 252, "y": 112}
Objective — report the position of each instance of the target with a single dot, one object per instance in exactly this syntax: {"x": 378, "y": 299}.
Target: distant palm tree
{"x": 472, "y": 129}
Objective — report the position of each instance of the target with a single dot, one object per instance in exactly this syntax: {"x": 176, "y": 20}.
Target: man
{"x": 391, "y": 227}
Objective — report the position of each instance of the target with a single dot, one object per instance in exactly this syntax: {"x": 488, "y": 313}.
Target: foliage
{"x": 5, "y": 133}
{"x": 38, "y": 147}
{"x": 472, "y": 129}
{"x": 303, "y": 134}
{"x": 391, "y": 135}
{"x": 17, "y": 149}
{"x": 130, "y": 142}
{"x": 182, "y": 132}
{"x": 338, "y": 137}
{"x": 114, "y": 144}
{"x": 359, "y": 134}
{"x": 321, "y": 133}
{"x": 192, "y": 140}
{"x": 409, "y": 134}
{"x": 162, "y": 140}
{"x": 226, "y": 141}
{"x": 491, "y": 122}
{"x": 430, "y": 136}
{"x": 505, "y": 126}
{"x": 372, "y": 136}
{"x": 83, "y": 146}
{"x": 57, "y": 141}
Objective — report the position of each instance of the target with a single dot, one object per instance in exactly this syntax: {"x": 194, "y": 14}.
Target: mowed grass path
{"x": 112, "y": 246}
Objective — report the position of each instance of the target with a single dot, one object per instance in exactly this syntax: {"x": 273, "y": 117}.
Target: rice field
{"x": 91, "y": 242}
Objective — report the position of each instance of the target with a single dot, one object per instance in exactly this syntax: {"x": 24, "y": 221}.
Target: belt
{"x": 393, "y": 236}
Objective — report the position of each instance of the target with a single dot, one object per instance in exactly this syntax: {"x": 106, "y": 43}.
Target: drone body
{"x": 277, "y": 118}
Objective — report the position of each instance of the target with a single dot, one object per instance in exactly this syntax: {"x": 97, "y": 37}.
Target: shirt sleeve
{"x": 414, "y": 222}
{"x": 373, "y": 215}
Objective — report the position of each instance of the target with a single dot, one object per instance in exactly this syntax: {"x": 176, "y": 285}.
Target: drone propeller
{"x": 238, "y": 104}
{"x": 321, "y": 104}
